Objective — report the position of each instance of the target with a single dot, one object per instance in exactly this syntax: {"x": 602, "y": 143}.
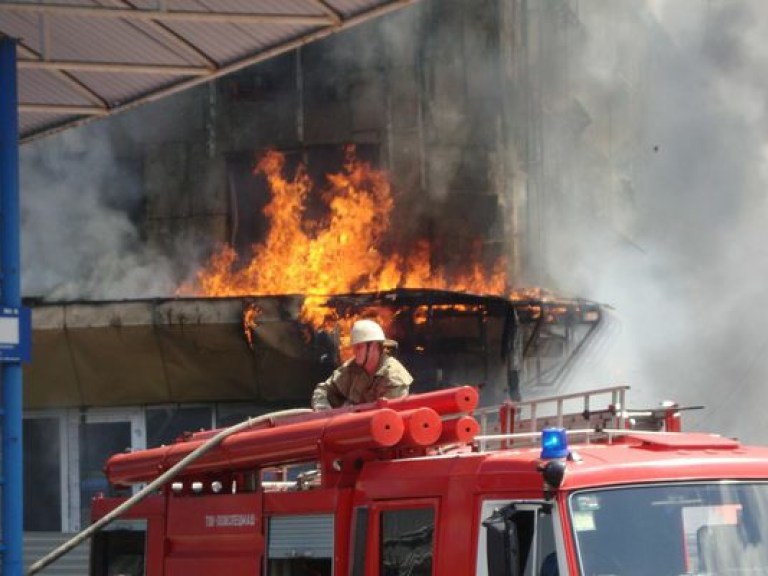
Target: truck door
{"x": 518, "y": 538}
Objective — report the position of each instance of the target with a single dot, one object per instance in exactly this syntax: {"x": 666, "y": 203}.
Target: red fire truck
{"x": 432, "y": 485}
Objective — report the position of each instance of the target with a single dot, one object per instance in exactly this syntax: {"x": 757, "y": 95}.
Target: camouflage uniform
{"x": 351, "y": 384}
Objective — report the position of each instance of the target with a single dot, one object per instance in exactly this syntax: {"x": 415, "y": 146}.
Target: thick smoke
{"x": 650, "y": 197}
{"x": 79, "y": 211}
{"x": 675, "y": 238}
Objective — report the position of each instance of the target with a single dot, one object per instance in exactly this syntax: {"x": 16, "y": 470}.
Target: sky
{"x": 658, "y": 210}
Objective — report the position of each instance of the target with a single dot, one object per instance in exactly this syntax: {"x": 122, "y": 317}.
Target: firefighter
{"x": 371, "y": 374}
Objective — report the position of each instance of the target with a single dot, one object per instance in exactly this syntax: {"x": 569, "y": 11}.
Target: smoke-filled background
{"x": 80, "y": 240}
{"x": 643, "y": 175}
{"x": 682, "y": 258}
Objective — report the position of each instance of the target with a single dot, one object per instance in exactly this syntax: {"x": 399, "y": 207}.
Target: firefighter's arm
{"x": 327, "y": 394}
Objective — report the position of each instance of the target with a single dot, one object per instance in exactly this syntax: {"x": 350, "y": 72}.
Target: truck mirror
{"x": 502, "y": 543}
{"x": 553, "y": 473}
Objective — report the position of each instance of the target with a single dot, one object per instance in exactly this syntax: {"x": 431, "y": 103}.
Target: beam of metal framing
{"x": 163, "y": 69}
{"x": 72, "y": 82}
{"x": 178, "y": 42}
{"x": 234, "y": 66}
{"x": 328, "y": 9}
{"x": 63, "y": 109}
{"x": 168, "y": 15}
{"x": 45, "y": 35}
{"x": 10, "y": 296}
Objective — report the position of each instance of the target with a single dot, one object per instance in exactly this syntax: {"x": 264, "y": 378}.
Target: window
{"x": 517, "y": 533}
{"x": 713, "y": 528}
{"x": 250, "y": 192}
{"x": 407, "y": 542}
{"x": 165, "y": 424}
{"x": 119, "y": 551}
{"x": 98, "y": 441}
{"x": 42, "y": 474}
{"x": 101, "y": 433}
{"x": 230, "y": 414}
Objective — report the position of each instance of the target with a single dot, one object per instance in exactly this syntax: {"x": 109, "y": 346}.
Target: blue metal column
{"x": 10, "y": 296}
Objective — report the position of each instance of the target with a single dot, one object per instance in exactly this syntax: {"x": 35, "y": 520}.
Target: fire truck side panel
{"x": 367, "y": 508}
{"x": 335, "y": 502}
{"x": 214, "y": 534}
{"x": 404, "y": 500}
{"x": 520, "y": 482}
{"x": 455, "y": 487}
{"x": 318, "y": 501}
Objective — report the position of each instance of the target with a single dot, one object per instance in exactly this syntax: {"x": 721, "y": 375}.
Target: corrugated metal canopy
{"x": 80, "y": 59}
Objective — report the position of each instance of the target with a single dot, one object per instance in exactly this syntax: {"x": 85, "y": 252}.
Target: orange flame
{"x": 341, "y": 254}
{"x": 251, "y": 314}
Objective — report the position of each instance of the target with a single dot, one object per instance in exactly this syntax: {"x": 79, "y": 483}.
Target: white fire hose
{"x": 155, "y": 484}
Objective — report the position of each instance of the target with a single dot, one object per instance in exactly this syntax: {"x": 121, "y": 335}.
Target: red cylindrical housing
{"x": 461, "y": 399}
{"x": 354, "y": 431}
{"x": 422, "y": 427}
{"x": 448, "y": 401}
{"x": 265, "y": 446}
{"x": 459, "y": 430}
{"x": 137, "y": 466}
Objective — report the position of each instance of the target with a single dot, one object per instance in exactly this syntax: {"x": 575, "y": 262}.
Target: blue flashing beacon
{"x": 554, "y": 443}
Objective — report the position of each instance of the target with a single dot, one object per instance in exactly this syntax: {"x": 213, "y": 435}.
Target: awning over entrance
{"x": 85, "y": 59}
{"x": 256, "y": 349}
{"x": 168, "y": 351}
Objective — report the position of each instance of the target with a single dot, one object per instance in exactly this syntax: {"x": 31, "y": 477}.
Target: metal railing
{"x": 521, "y": 423}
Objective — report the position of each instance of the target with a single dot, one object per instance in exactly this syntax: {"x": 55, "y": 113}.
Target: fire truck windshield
{"x": 672, "y": 529}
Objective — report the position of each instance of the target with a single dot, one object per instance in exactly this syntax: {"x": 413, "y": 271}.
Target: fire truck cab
{"x": 431, "y": 485}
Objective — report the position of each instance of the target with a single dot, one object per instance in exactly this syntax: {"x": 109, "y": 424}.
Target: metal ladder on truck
{"x": 595, "y": 412}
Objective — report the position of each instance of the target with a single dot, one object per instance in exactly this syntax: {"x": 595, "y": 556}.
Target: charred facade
{"x": 182, "y": 351}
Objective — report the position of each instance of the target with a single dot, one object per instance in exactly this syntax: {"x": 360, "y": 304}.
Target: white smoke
{"x": 674, "y": 236}
{"x": 78, "y": 238}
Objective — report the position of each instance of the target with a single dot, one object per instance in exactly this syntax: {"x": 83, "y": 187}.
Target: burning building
{"x": 265, "y": 324}
{"x": 258, "y": 329}
{"x": 381, "y": 173}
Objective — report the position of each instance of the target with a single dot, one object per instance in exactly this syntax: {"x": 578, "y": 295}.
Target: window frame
{"x": 485, "y": 507}
{"x": 133, "y": 416}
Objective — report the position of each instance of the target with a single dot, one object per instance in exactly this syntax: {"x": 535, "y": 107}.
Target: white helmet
{"x": 366, "y": 331}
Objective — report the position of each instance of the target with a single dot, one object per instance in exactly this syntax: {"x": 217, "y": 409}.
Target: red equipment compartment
{"x": 280, "y": 444}
{"x": 457, "y": 400}
{"x": 214, "y": 535}
{"x": 451, "y": 401}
